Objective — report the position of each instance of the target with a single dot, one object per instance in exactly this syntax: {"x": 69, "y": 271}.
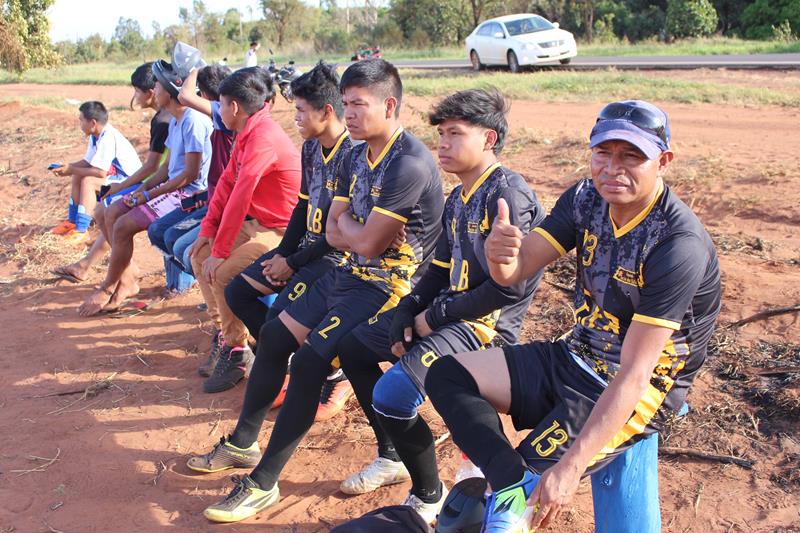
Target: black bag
{"x": 391, "y": 519}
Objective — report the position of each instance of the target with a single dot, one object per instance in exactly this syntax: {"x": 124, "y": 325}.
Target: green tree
{"x": 232, "y": 25}
{"x": 691, "y": 18}
{"x": 128, "y": 34}
{"x": 759, "y": 18}
{"x": 193, "y": 21}
{"x": 281, "y": 13}
{"x": 24, "y": 38}
{"x": 729, "y": 13}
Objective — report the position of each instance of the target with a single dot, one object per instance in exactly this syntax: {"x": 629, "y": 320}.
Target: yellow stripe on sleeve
{"x": 656, "y": 321}
{"x": 390, "y": 214}
{"x": 552, "y": 240}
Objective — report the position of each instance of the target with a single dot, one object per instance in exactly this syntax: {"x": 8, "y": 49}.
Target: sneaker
{"x": 428, "y": 511}
{"x": 63, "y": 227}
{"x": 76, "y": 237}
{"x": 506, "y": 508}
{"x": 282, "y": 394}
{"x": 335, "y": 393}
{"x": 224, "y": 456}
{"x": 245, "y": 500}
{"x": 217, "y": 342}
{"x": 379, "y": 473}
{"x": 234, "y": 364}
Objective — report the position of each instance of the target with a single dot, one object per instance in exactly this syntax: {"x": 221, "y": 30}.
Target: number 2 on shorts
{"x": 335, "y": 321}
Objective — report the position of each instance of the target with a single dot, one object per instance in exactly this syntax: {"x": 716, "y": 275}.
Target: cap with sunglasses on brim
{"x": 640, "y": 123}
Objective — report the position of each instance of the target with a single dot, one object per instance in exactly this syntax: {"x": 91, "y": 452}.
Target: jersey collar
{"x": 619, "y": 232}
{"x": 335, "y": 148}
{"x": 385, "y": 150}
{"x": 483, "y": 177}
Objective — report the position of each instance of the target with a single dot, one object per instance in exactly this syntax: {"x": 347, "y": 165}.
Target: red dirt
{"x": 121, "y": 453}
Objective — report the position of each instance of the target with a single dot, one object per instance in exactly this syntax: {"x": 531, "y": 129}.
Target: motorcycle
{"x": 283, "y": 77}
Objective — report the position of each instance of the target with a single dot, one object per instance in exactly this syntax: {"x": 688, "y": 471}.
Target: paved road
{"x": 754, "y": 61}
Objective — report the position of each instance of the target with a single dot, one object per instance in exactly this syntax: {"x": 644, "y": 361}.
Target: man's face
{"x": 623, "y": 175}
{"x": 310, "y": 122}
{"x": 142, "y": 98}
{"x": 87, "y": 126}
{"x": 365, "y": 114}
{"x": 462, "y": 145}
{"x": 227, "y": 111}
{"x": 161, "y": 95}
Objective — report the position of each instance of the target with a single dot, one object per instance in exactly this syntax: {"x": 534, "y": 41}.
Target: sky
{"x": 70, "y": 21}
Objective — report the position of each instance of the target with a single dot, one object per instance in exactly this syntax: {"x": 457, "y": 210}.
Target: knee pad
{"x": 396, "y": 396}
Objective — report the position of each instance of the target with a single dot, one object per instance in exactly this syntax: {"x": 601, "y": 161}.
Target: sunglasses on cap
{"x": 640, "y": 117}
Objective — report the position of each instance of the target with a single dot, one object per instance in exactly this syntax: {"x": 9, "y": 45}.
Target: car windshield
{"x": 528, "y": 25}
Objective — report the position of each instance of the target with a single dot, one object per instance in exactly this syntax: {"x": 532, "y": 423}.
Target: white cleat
{"x": 428, "y": 511}
{"x": 379, "y": 473}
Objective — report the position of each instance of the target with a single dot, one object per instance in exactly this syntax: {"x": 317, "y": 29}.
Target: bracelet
{"x": 146, "y": 195}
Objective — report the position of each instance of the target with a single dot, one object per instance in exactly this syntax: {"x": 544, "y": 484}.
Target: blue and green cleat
{"x": 505, "y": 509}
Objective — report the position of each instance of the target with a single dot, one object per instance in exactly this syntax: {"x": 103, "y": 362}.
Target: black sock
{"x": 296, "y": 416}
{"x": 360, "y": 365}
{"x": 265, "y": 381}
{"x": 473, "y": 422}
{"x": 414, "y": 442}
{"x": 243, "y": 299}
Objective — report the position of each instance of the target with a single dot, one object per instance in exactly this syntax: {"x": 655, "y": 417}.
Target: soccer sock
{"x": 414, "y": 442}
{"x": 360, "y": 365}
{"x": 296, "y": 416}
{"x": 265, "y": 382}
{"x": 473, "y": 422}
{"x": 244, "y": 301}
{"x": 82, "y": 219}
{"x": 72, "y": 213}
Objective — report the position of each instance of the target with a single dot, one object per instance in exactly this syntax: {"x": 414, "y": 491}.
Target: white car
{"x": 518, "y": 40}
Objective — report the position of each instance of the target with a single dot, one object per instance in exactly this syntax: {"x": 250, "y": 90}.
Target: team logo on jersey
{"x": 485, "y": 227}
{"x": 472, "y": 227}
{"x": 330, "y": 185}
{"x": 375, "y": 191}
{"x": 629, "y": 277}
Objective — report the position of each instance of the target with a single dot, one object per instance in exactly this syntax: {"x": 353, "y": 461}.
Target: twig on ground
{"x": 40, "y": 468}
{"x": 51, "y": 528}
{"x": 699, "y": 454}
{"x": 442, "y": 438}
{"x": 160, "y": 469}
{"x": 767, "y": 313}
{"x": 90, "y": 392}
{"x": 560, "y": 286}
{"x": 697, "y": 499}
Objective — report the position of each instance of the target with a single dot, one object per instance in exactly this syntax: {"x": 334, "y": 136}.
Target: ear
{"x": 328, "y": 112}
{"x": 391, "y": 106}
{"x": 491, "y": 140}
{"x": 235, "y": 107}
{"x": 664, "y": 161}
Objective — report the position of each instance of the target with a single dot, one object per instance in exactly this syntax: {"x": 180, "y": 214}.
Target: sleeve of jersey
{"x": 488, "y": 296}
{"x": 158, "y": 137}
{"x": 301, "y": 258}
{"x": 558, "y": 228}
{"x": 402, "y": 191}
{"x": 104, "y": 153}
{"x": 295, "y": 229}
{"x": 671, "y": 277}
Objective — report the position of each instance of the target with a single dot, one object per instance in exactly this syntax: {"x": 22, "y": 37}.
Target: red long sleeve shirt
{"x": 261, "y": 180}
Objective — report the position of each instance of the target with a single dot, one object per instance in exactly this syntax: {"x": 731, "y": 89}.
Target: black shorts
{"x": 296, "y": 285}
{"x": 449, "y": 339}
{"x": 333, "y": 306}
{"x": 553, "y": 395}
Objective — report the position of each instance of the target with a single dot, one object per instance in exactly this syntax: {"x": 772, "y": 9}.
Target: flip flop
{"x": 63, "y": 274}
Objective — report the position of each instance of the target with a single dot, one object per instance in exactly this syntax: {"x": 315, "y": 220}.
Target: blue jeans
{"x": 181, "y": 249}
{"x": 177, "y": 279}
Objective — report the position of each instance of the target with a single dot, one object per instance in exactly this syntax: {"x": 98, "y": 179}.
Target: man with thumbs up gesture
{"x": 646, "y": 299}
{"x": 454, "y": 307}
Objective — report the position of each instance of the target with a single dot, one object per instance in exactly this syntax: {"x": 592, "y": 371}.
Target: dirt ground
{"x": 120, "y": 451}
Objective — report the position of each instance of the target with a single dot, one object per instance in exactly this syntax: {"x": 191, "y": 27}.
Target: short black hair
{"x": 250, "y": 87}
{"x": 253, "y": 43}
{"x": 378, "y": 75}
{"x": 209, "y": 78}
{"x": 320, "y": 86}
{"x": 94, "y": 110}
{"x": 143, "y": 78}
{"x": 487, "y": 109}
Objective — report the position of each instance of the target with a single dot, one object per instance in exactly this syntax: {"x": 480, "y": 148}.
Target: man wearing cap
{"x": 646, "y": 299}
{"x": 185, "y": 174}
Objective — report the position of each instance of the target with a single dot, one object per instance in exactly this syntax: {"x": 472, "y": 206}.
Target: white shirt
{"x": 112, "y": 152}
{"x": 250, "y": 59}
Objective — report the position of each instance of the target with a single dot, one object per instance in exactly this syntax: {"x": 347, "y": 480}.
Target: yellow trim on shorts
{"x": 552, "y": 240}
{"x": 344, "y": 199}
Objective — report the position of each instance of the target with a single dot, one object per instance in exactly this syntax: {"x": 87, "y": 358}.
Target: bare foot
{"x": 77, "y": 271}
{"x": 95, "y": 303}
{"x": 123, "y": 292}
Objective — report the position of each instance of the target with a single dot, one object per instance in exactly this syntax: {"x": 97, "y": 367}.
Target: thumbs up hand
{"x": 503, "y": 245}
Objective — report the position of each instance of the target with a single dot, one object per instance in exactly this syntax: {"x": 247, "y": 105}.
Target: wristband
{"x": 146, "y": 195}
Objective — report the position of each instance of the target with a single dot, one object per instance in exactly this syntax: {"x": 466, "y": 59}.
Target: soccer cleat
{"x": 428, "y": 511}
{"x": 379, "y": 473}
{"x": 245, "y": 500}
{"x": 76, "y": 237}
{"x": 334, "y": 396}
{"x": 234, "y": 365}
{"x": 217, "y": 342}
{"x": 282, "y": 394}
{"x": 224, "y": 456}
{"x": 63, "y": 227}
{"x": 505, "y": 509}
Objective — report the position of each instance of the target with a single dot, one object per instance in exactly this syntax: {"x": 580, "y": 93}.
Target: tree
{"x": 24, "y": 38}
{"x": 128, "y": 34}
{"x": 232, "y": 25}
{"x": 280, "y": 13}
{"x": 760, "y": 17}
{"x": 691, "y": 18}
{"x": 479, "y": 8}
{"x": 193, "y": 20}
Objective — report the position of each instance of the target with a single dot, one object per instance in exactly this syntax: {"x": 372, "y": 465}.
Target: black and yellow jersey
{"x": 470, "y": 294}
{"x": 403, "y": 183}
{"x": 661, "y": 268}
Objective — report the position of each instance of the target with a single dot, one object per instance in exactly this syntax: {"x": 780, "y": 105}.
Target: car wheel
{"x": 565, "y": 61}
{"x": 513, "y": 62}
{"x": 475, "y": 60}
